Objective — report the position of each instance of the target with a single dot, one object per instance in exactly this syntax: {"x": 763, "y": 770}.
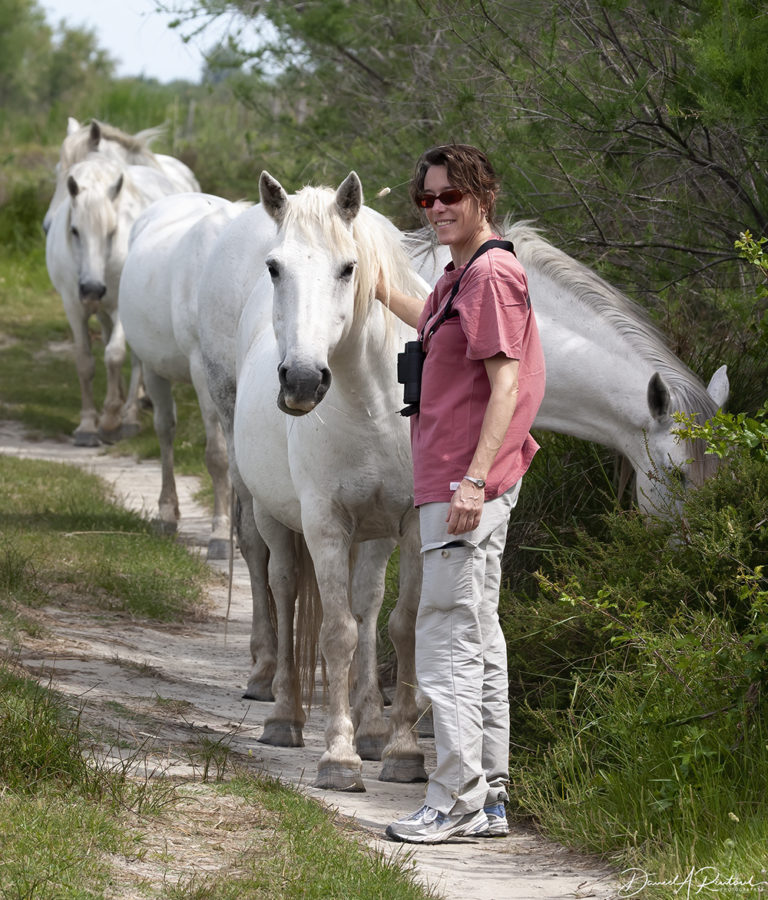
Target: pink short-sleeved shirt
{"x": 494, "y": 316}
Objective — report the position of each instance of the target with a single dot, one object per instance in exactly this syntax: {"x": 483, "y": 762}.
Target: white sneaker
{"x": 430, "y": 826}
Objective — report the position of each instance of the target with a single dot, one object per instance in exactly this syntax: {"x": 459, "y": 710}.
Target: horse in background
{"x": 611, "y": 377}
{"x": 86, "y": 246}
{"x": 169, "y": 244}
{"x": 131, "y": 150}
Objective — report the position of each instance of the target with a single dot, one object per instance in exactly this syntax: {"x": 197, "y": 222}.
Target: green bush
{"x": 646, "y": 733}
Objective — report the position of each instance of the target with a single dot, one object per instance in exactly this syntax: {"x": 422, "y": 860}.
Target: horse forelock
{"x": 628, "y": 318}
{"x": 372, "y": 240}
{"x": 95, "y": 177}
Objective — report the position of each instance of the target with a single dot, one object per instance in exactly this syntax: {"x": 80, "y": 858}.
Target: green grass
{"x": 62, "y": 536}
{"x": 312, "y": 855}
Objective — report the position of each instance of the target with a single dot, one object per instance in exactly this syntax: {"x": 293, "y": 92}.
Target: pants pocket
{"x": 447, "y": 580}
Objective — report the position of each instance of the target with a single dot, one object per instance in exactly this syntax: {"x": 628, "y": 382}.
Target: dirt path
{"x": 188, "y": 681}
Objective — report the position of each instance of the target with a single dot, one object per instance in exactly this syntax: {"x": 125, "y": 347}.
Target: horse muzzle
{"x": 301, "y": 388}
{"x": 92, "y": 290}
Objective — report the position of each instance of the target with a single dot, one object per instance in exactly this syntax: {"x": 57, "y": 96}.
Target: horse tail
{"x": 309, "y": 618}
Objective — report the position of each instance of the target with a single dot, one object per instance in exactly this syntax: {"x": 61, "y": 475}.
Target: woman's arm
{"x": 467, "y": 502}
{"x": 403, "y": 306}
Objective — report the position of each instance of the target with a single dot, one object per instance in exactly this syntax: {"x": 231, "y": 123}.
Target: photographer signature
{"x": 692, "y": 884}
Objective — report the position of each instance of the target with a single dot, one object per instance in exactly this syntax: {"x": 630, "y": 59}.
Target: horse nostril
{"x": 325, "y": 379}
{"x": 93, "y": 290}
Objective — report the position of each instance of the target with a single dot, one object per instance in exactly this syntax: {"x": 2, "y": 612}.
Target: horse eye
{"x": 75, "y": 232}
{"x": 346, "y": 272}
{"x": 272, "y": 268}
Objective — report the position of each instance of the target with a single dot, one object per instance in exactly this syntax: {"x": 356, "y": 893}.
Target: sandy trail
{"x": 199, "y": 670}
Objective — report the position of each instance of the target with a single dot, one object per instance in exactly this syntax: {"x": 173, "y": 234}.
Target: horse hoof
{"x": 259, "y": 689}
{"x": 130, "y": 430}
{"x": 370, "y": 746}
{"x": 336, "y": 777}
{"x": 405, "y": 770}
{"x": 86, "y": 439}
{"x": 282, "y": 734}
{"x": 218, "y": 548}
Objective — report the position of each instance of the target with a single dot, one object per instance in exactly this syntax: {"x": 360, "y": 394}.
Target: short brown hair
{"x": 468, "y": 169}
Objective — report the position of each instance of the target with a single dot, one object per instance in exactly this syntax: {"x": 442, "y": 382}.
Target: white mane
{"x": 627, "y": 317}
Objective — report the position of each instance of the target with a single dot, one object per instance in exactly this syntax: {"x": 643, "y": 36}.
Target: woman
{"x": 482, "y": 384}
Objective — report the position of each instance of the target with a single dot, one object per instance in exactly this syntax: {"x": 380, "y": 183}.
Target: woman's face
{"x": 456, "y": 225}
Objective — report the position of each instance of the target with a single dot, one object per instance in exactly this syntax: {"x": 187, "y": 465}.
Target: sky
{"x": 133, "y": 33}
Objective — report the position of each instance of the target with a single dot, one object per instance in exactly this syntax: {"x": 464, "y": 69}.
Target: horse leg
{"x": 216, "y": 462}
{"x": 368, "y": 578}
{"x": 283, "y": 728}
{"x": 131, "y": 424}
{"x": 263, "y": 644}
{"x": 340, "y": 767}
{"x": 110, "y": 424}
{"x": 86, "y": 433}
{"x": 403, "y": 759}
{"x": 159, "y": 390}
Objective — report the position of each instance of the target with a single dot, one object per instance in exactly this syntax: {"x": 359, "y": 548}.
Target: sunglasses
{"x": 448, "y": 197}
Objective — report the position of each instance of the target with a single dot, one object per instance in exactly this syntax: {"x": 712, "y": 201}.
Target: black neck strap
{"x": 448, "y": 310}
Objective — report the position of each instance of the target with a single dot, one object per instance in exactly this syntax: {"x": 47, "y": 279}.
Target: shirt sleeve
{"x": 493, "y": 306}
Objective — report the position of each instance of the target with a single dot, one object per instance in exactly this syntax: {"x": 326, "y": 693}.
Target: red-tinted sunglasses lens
{"x": 447, "y": 198}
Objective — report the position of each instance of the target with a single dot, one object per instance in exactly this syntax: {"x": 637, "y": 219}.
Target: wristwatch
{"x": 479, "y": 482}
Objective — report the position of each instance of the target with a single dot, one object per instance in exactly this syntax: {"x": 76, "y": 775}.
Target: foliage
{"x": 725, "y": 432}
{"x": 651, "y": 705}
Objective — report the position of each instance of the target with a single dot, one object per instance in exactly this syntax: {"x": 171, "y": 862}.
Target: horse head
{"x": 673, "y": 465}
{"x": 94, "y": 188}
{"x": 312, "y": 267}
{"x": 83, "y": 141}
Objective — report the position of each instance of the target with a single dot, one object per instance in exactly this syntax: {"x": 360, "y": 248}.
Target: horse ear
{"x": 349, "y": 197}
{"x": 658, "y": 397}
{"x": 72, "y": 187}
{"x": 116, "y": 188}
{"x": 94, "y": 136}
{"x": 719, "y": 387}
{"x": 273, "y": 197}
{"x": 72, "y": 125}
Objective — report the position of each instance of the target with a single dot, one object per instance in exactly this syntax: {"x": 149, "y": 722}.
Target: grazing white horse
{"x": 611, "y": 377}
{"x": 341, "y": 476}
{"x": 86, "y": 247}
{"x": 169, "y": 244}
{"x": 131, "y": 150}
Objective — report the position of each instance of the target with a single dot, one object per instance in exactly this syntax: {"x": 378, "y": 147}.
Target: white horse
{"x": 169, "y": 244}
{"x": 131, "y": 150}
{"x": 86, "y": 247}
{"x": 341, "y": 477}
{"x": 611, "y": 377}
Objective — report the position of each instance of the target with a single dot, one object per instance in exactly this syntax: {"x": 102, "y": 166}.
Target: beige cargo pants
{"x": 461, "y": 656}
